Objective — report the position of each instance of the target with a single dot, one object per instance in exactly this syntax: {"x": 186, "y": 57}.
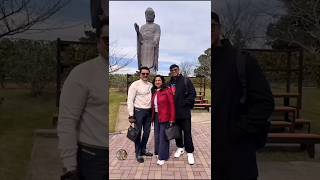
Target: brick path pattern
{"x": 174, "y": 168}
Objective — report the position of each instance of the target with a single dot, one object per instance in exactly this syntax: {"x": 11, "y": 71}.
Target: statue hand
{"x": 155, "y": 43}
{"x": 136, "y": 26}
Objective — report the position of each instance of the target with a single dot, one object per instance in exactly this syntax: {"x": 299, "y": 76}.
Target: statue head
{"x": 150, "y": 15}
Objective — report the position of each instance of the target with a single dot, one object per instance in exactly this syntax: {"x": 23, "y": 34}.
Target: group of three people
{"x": 162, "y": 104}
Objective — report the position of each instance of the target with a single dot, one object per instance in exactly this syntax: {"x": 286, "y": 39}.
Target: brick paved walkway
{"x": 174, "y": 168}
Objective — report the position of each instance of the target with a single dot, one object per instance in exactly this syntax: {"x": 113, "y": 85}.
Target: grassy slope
{"x": 115, "y": 97}
{"x": 20, "y": 115}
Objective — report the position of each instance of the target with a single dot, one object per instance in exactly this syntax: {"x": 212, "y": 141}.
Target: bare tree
{"x": 305, "y": 31}
{"x": 186, "y": 68}
{"x": 240, "y": 21}
{"x": 17, "y": 16}
{"x": 300, "y": 27}
{"x": 117, "y": 60}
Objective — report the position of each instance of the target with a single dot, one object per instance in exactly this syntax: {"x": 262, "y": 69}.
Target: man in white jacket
{"x": 139, "y": 107}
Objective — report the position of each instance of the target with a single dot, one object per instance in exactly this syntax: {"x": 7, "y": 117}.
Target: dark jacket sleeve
{"x": 260, "y": 102}
{"x": 191, "y": 96}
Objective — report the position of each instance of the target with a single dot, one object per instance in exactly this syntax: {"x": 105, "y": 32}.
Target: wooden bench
{"x": 200, "y": 97}
{"x": 203, "y": 105}
{"x": 306, "y": 140}
{"x": 300, "y": 121}
{"x": 198, "y": 101}
{"x": 286, "y": 95}
{"x": 50, "y": 133}
{"x": 287, "y": 110}
{"x": 286, "y": 100}
{"x": 282, "y": 124}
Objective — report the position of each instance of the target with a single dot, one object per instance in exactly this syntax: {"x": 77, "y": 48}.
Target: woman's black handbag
{"x": 132, "y": 133}
{"x": 173, "y": 132}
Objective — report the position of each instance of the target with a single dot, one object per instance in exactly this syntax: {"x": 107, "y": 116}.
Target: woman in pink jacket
{"x": 163, "y": 115}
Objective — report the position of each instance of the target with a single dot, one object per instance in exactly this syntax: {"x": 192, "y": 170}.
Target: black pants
{"x": 92, "y": 163}
{"x": 161, "y": 144}
{"x": 143, "y": 121}
{"x": 186, "y": 138}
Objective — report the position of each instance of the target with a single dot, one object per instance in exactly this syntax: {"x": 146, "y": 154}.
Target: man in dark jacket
{"x": 239, "y": 128}
{"x": 185, "y": 94}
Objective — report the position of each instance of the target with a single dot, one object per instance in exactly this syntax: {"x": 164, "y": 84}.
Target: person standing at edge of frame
{"x": 83, "y": 138}
{"x": 240, "y": 125}
{"x": 184, "y": 98}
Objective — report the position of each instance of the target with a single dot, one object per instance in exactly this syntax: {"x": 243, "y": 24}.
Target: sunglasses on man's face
{"x": 145, "y": 74}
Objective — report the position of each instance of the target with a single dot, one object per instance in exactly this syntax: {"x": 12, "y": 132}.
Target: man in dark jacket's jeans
{"x": 185, "y": 94}
{"x": 239, "y": 128}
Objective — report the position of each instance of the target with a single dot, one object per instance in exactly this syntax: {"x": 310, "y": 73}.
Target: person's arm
{"x": 72, "y": 102}
{"x": 130, "y": 100}
{"x": 171, "y": 106}
{"x": 260, "y": 102}
{"x": 139, "y": 42}
{"x": 191, "y": 96}
{"x": 136, "y": 27}
{"x": 157, "y": 34}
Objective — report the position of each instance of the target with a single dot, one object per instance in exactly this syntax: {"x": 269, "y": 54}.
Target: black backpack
{"x": 263, "y": 128}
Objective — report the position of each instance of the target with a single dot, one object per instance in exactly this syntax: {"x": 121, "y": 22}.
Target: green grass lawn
{"x": 311, "y": 107}
{"x": 115, "y": 97}
{"x": 20, "y": 115}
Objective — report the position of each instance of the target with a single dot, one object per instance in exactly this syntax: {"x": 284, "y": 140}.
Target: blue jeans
{"x": 143, "y": 121}
{"x": 92, "y": 163}
{"x": 161, "y": 143}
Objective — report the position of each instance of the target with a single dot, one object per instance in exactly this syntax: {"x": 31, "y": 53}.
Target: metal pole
{"x": 205, "y": 82}
{"x": 58, "y": 78}
{"x": 300, "y": 84}
{"x": 287, "y": 99}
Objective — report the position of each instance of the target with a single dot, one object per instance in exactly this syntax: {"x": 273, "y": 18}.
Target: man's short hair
{"x": 174, "y": 66}
{"x": 103, "y": 22}
{"x": 144, "y": 67}
{"x": 215, "y": 17}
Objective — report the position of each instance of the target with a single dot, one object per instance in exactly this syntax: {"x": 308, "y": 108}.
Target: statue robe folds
{"x": 148, "y": 46}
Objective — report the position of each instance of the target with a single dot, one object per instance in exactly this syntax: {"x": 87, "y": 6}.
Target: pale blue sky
{"x": 185, "y": 30}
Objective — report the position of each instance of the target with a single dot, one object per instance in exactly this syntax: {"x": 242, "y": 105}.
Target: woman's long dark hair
{"x": 163, "y": 86}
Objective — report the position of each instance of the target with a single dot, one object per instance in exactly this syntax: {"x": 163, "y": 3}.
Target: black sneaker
{"x": 140, "y": 159}
{"x": 147, "y": 154}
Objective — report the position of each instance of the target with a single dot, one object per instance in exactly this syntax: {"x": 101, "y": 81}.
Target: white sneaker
{"x": 178, "y": 152}
{"x": 190, "y": 158}
{"x": 160, "y": 162}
